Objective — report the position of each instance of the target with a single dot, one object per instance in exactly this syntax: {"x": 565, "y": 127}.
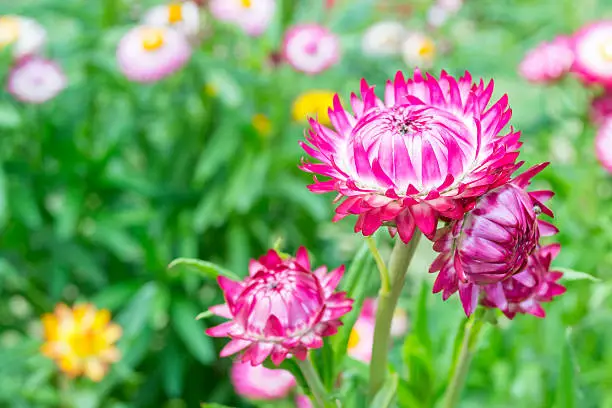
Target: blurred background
{"x": 104, "y": 185}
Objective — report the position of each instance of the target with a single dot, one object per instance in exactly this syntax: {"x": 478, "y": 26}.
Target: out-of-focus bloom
{"x": 603, "y": 144}
{"x": 399, "y": 322}
{"x": 492, "y": 242}
{"x": 437, "y": 16}
{"x": 262, "y": 124}
{"x": 418, "y": 50}
{"x": 259, "y": 382}
{"x": 601, "y": 107}
{"x": 35, "y": 80}
{"x": 302, "y": 401}
{"x": 452, "y": 6}
{"x": 524, "y": 291}
{"x": 252, "y": 16}
{"x": 311, "y": 48}
{"x": 361, "y": 339}
{"x": 25, "y": 35}
{"x": 593, "y": 53}
{"x": 383, "y": 39}
{"x": 426, "y": 151}
{"x": 313, "y": 104}
{"x": 183, "y": 17}
{"x": 150, "y": 53}
{"x": 81, "y": 340}
{"x": 282, "y": 307}
{"x": 549, "y": 61}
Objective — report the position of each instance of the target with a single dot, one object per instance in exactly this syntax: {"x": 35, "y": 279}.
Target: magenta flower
{"x": 593, "y": 51}
{"x": 549, "y": 61}
{"x": 601, "y": 107}
{"x": 493, "y": 241}
{"x": 252, "y": 16}
{"x": 35, "y": 80}
{"x": 524, "y": 291}
{"x": 261, "y": 383}
{"x": 282, "y": 307}
{"x": 150, "y": 53}
{"x": 603, "y": 144}
{"x": 311, "y": 48}
{"x": 424, "y": 152}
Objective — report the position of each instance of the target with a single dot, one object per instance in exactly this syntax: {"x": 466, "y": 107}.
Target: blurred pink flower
{"x": 259, "y": 382}
{"x": 282, "y": 307}
{"x": 548, "y": 61}
{"x": 252, "y": 16}
{"x": 184, "y": 17}
{"x": 427, "y": 150}
{"x": 361, "y": 339}
{"x": 524, "y": 291}
{"x": 603, "y": 144}
{"x": 35, "y": 80}
{"x": 492, "y": 242}
{"x": 399, "y": 322}
{"x": 150, "y": 53}
{"x": 302, "y": 401}
{"x": 601, "y": 107}
{"x": 311, "y": 48}
{"x": 593, "y": 50}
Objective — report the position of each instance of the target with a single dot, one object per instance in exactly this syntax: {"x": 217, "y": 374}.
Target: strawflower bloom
{"x": 603, "y": 144}
{"x": 252, "y": 16}
{"x": 35, "y": 80}
{"x": 418, "y": 50}
{"x": 261, "y": 383}
{"x": 313, "y": 104}
{"x": 150, "y": 53}
{"x": 283, "y": 307}
{"x": 524, "y": 291}
{"x": 25, "y": 35}
{"x": 311, "y": 48}
{"x": 302, "y": 401}
{"x": 549, "y": 61}
{"x": 183, "y": 17}
{"x": 593, "y": 53}
{"x": 81, "y": 340}
{"x": 361, "y": 339}
{"x": 425, "y": 151}
{"x": 493, "y": 241}
{"x": 601, "y": 108}
{"x": 383, "y": 39}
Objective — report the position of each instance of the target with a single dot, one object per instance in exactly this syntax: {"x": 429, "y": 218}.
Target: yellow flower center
{"x": 427, "y": 49}
{"x": 9, "y": 30}
{"x": 246, "y": 3}
{"x": 152, "y": 38}
{"x": 175, "y": 13}
{"x": 606, "y": 50}
{"x": 261, "y": 124}
{"x": 353, "y": 339}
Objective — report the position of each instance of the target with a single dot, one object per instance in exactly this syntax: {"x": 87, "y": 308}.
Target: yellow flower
{"x": 81, "y": 340}
{"x": 313, "y": 104}
{"x": 261, "y": 124}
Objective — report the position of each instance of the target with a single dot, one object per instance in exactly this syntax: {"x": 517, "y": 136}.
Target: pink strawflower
{"x": 35, "y": 80}
{"x": 150, "y": 53}
{"x": 399, "y": 322}
{"x": 425, "y": 151}
{"x": 252, "y": 16}
{"x": 593, "y": 51}
{"x": 601, "y": 107}
{"x": 261, "y": 383}
{"x": 361, "y": 339}
{"x": 282, "y": 307}
{"x": 603, "y": 144}
{"x": 549, "y": 61}
{"x": 523, "y": 292}
{"x": 311, "y": 48}
{"x": 302, "y": 401}
{"x": 493, "y": 241}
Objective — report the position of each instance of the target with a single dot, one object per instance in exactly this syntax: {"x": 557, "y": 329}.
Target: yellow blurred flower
{"x": 313, "y": 104}
{"x": 261, "y": 124}
{"x": 81, "y": 340}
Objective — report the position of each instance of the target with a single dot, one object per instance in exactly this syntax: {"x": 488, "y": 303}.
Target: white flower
{"x": 418, "y": 50}
{"x": 183, "y": 17}
{"x": 383, "y": 39}
{"x": 25, "y": 35}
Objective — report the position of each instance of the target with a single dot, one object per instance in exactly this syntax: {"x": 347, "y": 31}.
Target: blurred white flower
{"x": 35, "y": 80}
{"x": 383, "y": 39}
{"x": 25, "y": 35}
{"x": 183, "y": 17}
{"x": 418, "y": 50}
{"x": 452, "y": 6}
{"x": 437, "y": 16}
{"x": 252, "y": 16}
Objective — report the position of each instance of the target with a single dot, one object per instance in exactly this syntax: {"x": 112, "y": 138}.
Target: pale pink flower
{"x": 282, "y": 307}
{"x": 311, "y": 48}
{"x": 549, "y": 61}
{"x": 425, "y": 151}
{"x": 601, "y": 107}
{"x": 26, "y": 36}
{"x": 399, "y": 322}
{"x": 361, "y": 339}
{"x": 384, "y": 38}
{"x": 603, "y": 144}
{"x": 302, "y": 401}
{"x": 593, "y": 51}
{"x": 183, "y": 17}
{"x": 261, "y": 383}
{"x": 252, "y": 16}
{"x": 35, "y": 80}
{"x": 150, "y": 53}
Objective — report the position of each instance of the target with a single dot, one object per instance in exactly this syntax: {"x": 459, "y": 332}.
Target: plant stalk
{"x": 385, "y": 286}
{"x": 321, "y": 399}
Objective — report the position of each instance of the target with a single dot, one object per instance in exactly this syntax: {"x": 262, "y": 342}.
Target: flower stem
{"x": 387, "y": 301}
{"x": 314, "y": 382}
{"x": 382, "y": 268}
{"x": 461, "y": 365}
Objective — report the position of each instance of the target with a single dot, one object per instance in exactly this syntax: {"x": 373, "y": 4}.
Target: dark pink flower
{"x": 425, "y": 151}
{"x": 603, "y": 144}
{"x": 281, "y": 308}
{"x": 549, "y": 61}
{"x": 601, "y": 108}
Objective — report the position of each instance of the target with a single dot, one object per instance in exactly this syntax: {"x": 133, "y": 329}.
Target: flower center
{"x": 9, "y": 30}
{"x": 427, "y": 48}
{"x": 353, "y": 339}
{"x": 311, "y": 48}
{"x": 246, "y": 3}
{"x": 606, "y": 50}
{"x": 175, "y": 13}
{"x": 152, "y": 38}
{"x": 86, "y": 343}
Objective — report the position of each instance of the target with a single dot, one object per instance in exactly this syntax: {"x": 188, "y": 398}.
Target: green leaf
{"x": 173, "y": 364}
{"x": 207, "y": 269}
{"x": 115, "y": 296}
{"x": 572, "y": 275}
{"x": 323, "y": 360}
{"x": 290, "y": 365}
{"x": 134, "y": 317}
{"x": 3, "y": 197}
{"x": 419, "y": 365}
{"x": 191, "y": 331}
{"x": 213, "y": 405}
{"x": 385, "y": 397}
{"x": 566, "y": 383}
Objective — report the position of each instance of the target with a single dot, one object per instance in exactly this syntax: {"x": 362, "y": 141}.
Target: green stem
{"x": 461, "y": 365}
{"x": 314, "y": 382}
{"x": 385, "y": 286}
{"x": 387, "y": 301}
